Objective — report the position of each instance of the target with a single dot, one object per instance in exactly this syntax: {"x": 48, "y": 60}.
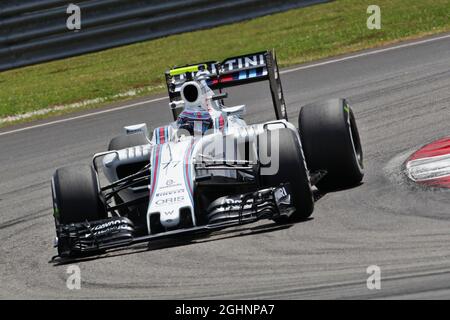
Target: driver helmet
{"x": 195, "y": 121}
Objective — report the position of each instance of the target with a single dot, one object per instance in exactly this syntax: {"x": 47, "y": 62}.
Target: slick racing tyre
{"x": 127, "y": 141}
{"x": 76, "y": 195}
{"x": 291, "y": 169}
{"x": 331, "y": 142}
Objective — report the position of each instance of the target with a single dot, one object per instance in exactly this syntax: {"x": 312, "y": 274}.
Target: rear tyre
{"x": 127, "y": 141}
{"x": 331, "y": 142}
{"x": 291, "y": 169}
{"x": 76, "y": 195}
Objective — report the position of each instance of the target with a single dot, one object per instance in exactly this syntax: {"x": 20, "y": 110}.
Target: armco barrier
{"x": 33, "y": 31}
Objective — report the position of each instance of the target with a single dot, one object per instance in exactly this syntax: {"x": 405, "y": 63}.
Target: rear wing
{"x": 234, "y": 71}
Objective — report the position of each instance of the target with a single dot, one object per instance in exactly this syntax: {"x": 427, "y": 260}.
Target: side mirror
{"x": 220, "y": 96}
{"x": 141, "y": 127}
{"x": 176, "y": 107}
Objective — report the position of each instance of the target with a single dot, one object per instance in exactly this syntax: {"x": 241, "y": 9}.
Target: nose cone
{"x": 170, "y": 218}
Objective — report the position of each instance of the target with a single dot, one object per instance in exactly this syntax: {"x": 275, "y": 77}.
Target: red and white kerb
{"x": 431, "y": 164}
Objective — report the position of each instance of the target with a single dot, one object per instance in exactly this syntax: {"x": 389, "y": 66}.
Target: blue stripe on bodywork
{"x": 166, "y": 134}
{"x": 187, "y": 172}
{"x": 156, "y": 162}
{"x": 157, "y": 135}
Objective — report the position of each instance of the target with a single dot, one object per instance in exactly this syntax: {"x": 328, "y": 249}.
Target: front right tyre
{"x": 127, "y": 141}
{"x": 291, "y": 169}
{"x": 76, "y": 195}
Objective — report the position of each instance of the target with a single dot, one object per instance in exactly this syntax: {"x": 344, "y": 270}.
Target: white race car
{"x": 208, "y": 169}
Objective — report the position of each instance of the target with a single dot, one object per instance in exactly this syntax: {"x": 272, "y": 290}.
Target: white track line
{"x": 369, "y": 53}
{"x": 127, "y": 106}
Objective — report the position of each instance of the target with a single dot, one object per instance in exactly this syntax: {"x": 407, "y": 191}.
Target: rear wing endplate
{"x": 234, "y": 71}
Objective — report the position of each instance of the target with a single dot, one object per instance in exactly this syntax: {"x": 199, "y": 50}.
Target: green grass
{"x": 299, "y": 36}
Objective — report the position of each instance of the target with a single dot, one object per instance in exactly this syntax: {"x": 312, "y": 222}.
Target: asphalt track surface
{"x": 401, "y": 99}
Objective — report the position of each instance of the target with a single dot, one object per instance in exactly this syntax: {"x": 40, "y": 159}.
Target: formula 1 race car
{"x": 208, "y": 169}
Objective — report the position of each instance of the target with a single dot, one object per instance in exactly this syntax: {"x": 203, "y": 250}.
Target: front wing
{"x": 96, "y": 236}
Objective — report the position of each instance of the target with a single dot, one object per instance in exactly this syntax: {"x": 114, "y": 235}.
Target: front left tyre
{"x": 291, "y": 169}
{"x": 331, "y": 142}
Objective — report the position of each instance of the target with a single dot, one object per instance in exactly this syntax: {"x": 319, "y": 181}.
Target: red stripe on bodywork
{"x": 226, "y": 79}
{"x": 221, "y": 122}
{"x": 162, "y": 137}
